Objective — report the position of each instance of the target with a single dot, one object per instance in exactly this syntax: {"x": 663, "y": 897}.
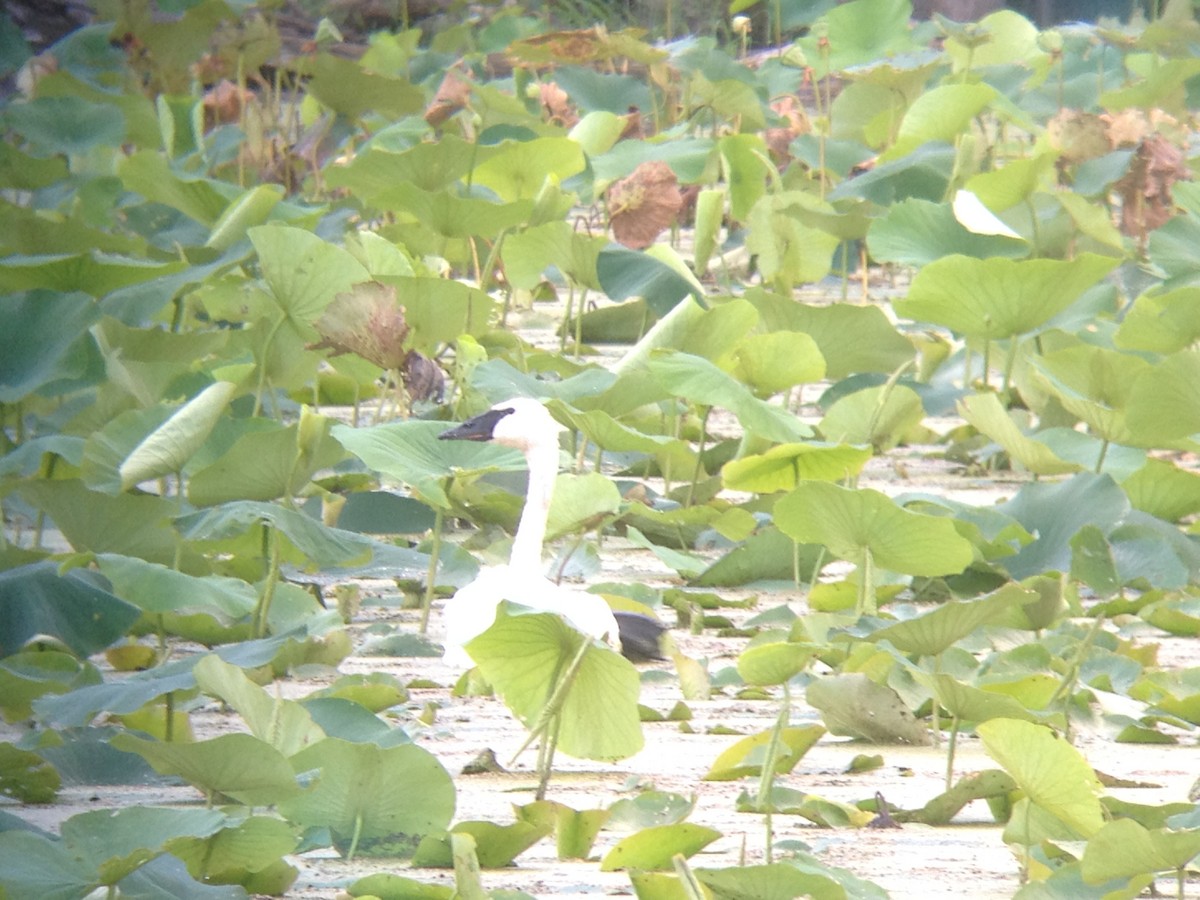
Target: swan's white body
{"x": 522, "y": 423}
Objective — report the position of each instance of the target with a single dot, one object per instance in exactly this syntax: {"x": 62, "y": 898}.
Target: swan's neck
{"x": 531, "y": 530}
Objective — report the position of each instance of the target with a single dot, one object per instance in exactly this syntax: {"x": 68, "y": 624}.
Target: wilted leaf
{"x": 367, "y": 320}
{"x": 855, "y": 706}
{"x": 644, "y": 204}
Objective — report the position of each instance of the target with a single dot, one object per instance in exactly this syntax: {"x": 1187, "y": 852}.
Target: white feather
{"x": 977, "y": 218}
{"x": 472, "y": 610}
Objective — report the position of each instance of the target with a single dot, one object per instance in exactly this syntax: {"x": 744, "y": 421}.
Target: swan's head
{"x": 522, "y": 423}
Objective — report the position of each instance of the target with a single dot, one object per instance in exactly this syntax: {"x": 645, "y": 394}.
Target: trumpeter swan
{"x": 524, "y": 424}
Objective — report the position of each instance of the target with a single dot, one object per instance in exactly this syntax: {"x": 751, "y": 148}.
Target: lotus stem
{"x": 1010, "y": 363}
{"x": 766, "y": 780}
{"x": 696, "y": 469}
{"x": 816, "y": 572}
{"x": 1071, "y": 676}
{"x": 546, "y": 757}
{"x": 579, "y": 322}
{"x": 468, "y": 879}
{"x": 1103, "y": 453}
{"x": 688, "y": 882}
{"x": 885, "y": 394}
{"x": 951, "y": 745}
{"x": 358, "y": 826}
{"x": 271, "y": 538}
{"x": 866, "y": 586}
{"x": 435, "y": 550}
{"x": 845, "y": 248}
{"x": 935, "y": 713}
{"x": 485, "y": 275}
{"x": 562, "y": 343}
{"x": 262, "y": 368}
{"x": 549, "y": 721}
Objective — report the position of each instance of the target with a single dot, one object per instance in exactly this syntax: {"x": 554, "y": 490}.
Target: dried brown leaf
{"x": 366, "y": 320}
{"x": 1127, "y": 128}
{"x": 423, "y": 378}
{"x": 1145, "y": 190}
{"x": 223, "y": 103}
{"x": 1078, "y": 136}
{"x": 644, "y": 204}
{"x": 557, "y": 104}
{"x": 453, "y": 94}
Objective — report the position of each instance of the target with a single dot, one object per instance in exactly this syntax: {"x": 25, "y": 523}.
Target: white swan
{"x": 524, "y": 424}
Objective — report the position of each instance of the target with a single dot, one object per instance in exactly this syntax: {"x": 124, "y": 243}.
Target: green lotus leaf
{"x": 41, "y": 329}
{"x": 71, "y": 608}
{"x": 1125, "y": 848}
{"x": 745, "y": 757}
{"x": 157, "y": 589}
{"x": 773, "y": 663}
{"x": 1164, "y": 490}
{"x": 851, "y": 338}
{"x": 853, "y": 523}
{"x": 656, "y": 847}
{"x": 1055, "y": 513}
{"x": 168, "y": 448}
{"x": 411, "y": 452}
{"x": 881, "y": 416}
{"x": 236, "y": 853}
{"x": 991, "y": 299}
{"x": 701, "y": 382}
{"x": 784, "y": 466}
{"x": 939, "y": 629}
{"x": 859, "y": 32}
{"x": 940, "y": 114}
{"x": 626, "y": 273}
{"x": 303, "y": 273}
{"x": 148, "y": 173}
{"x": 1164, "y": 403}
{"x": 284, "y": 724}
{"x": 790, "y": 244}
{"x": 496, "y": 846}
{"x": 378, "y": 801}
{"x": 916, "y": 232}
{"x": 521, "y": 655}
{"x": 988, "y": 416}
{"x": 351, "y": 90}
{"x": 1052, "y": 773}
{"x": 802, "y": 875}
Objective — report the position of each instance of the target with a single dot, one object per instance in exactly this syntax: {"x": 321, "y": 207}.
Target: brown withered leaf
{"x": 423, "y": 378}
{"x": 223, "y": 103}
{"x": 634, "y": 128}
{"x": 585, "y": 45}
{"x": 1145, "y": 190}
{"x": 644, "y": 204}
{"x": 453, "y": 94}
{"x": 557, "y": 104}
{"x": 795, "y": 123}
{"x": 1077, "y": 135}
{"x": 366, "y": 320}
{"x": 1126, "y": 128}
